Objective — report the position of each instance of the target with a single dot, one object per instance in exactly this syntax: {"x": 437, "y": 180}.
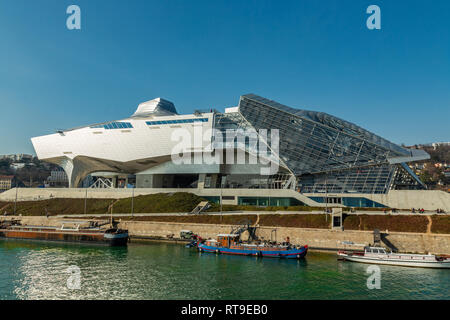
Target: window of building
{"x": 114, "y": 125}
{"x": 228, "y": 197}
{"x": 153, "y": 123}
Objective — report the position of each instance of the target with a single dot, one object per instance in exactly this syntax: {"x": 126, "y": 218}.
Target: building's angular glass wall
{"x": 371, "y": 179}
{"x": 309, "y": 147}
{"x": 328, "y": 154}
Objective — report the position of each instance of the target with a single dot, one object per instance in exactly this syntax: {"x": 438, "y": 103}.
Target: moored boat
{"x": 92, "y": 233}
{"x": 230, "y": 244}
{"x": 379, "y": 255}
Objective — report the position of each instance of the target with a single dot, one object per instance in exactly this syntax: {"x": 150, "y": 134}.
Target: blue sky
{"x": 316, "y": 55}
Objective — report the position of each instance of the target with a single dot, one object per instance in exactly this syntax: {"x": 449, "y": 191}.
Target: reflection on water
{"x": 166, "y": 271}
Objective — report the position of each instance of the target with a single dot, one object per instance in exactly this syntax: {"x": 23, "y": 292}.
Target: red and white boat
{"x": 379, "y": 255}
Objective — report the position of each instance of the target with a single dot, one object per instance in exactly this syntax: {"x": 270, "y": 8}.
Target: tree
{"x": 5, "y": 167}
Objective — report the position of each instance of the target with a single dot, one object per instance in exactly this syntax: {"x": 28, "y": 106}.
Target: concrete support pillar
{"x": 144, "y": 181}
{"x": 201, "y": 181}
{"x": 214, "y": 180}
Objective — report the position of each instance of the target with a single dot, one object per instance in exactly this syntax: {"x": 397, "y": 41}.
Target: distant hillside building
{"x": 17, "y": 165}
{"x": 439, "y": 144}
{"x": 17, "y": 157}
{"x": 57, "y": 178}
{"x": 6, "y": 183}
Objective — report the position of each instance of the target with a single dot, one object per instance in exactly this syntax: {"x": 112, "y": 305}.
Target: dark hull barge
{"x": 92, "y": 235}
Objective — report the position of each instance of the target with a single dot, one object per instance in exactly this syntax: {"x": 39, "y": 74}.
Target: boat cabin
{"x": 226, "y": 240}
{"x": 375, "y": 250}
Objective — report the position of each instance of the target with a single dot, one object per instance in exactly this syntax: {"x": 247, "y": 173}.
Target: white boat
{"x": 378, "y": 255}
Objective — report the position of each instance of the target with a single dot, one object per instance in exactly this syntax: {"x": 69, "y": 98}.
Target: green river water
{"x": 31, "y": 270}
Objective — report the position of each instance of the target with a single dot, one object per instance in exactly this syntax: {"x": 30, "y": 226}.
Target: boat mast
{"x": 111, "y": 219}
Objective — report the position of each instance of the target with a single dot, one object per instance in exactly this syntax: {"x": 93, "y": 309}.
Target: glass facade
{"x": 249, "y": 181}
{"x": 357, "y": 202}
{"x": 269, "y": 201}
{"x": 325, "y": 153}
{"x": 114, "y": 125}
{"x": 154, "y": 123}
{"x": 307, "y": 146}
{"x": 371, "y": 179}
{"x": 260, "y": 201}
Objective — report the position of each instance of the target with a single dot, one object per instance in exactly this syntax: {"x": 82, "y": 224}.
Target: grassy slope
{"x": 320, "y": 221}
{"x": 441, "y": 224}
{"x": 60, "y": 206}
{"x": 388, "y": 222}
{"x": 160, "y": 202}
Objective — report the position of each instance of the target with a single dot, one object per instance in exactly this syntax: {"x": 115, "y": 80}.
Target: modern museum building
{"x": 257, "y": 153}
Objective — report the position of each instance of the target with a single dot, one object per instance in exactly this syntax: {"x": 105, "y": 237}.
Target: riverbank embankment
{"x": 315, "y": 238}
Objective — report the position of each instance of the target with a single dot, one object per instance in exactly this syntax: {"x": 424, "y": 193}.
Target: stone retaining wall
{"x": 315, "y": 238}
